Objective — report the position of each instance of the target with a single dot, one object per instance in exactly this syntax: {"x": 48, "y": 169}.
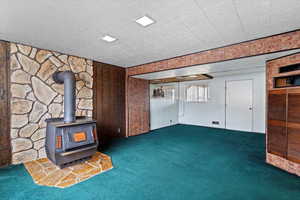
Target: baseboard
{"x": 164, "y": 126}
{"x": 220, "y": 128}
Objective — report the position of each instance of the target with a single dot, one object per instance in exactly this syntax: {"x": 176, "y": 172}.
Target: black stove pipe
{"x": 68, "y": 79}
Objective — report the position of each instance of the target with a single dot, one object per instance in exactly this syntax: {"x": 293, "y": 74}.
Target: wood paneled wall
{"x": 109, "y": 102}
{"x": 5, "y": 148}
{"x": 138, "y": 105}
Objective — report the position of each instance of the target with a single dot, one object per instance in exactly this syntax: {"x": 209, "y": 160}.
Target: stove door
{"x": 78, "y": 135}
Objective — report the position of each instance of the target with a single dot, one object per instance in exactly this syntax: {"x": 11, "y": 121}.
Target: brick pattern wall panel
{"x": 285, "y": 41}
{"x": 284, "y": 164}
{"x": 138, "y": 106}
{"x": 274, "y": 65}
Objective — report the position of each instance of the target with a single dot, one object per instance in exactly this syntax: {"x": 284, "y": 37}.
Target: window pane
{"x": 197, "y": 93}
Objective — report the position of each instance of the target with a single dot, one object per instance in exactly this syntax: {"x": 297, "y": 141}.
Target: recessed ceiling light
{"x": 144, "y": 21}
{"x": 108, "y": 38}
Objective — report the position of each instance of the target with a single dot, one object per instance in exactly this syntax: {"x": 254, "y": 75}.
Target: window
{"x": 170, "y": 93}
{"x": 166, "y": 92}
{"x": 197, "y": 93}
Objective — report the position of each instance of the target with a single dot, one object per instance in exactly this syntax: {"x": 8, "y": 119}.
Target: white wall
{"x": 163, "y": 111}
{"x": 203, "y": 114}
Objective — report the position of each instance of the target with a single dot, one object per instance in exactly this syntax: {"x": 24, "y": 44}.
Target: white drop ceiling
{"x": 232, "y": 67}
{"x": 181, "y": 26}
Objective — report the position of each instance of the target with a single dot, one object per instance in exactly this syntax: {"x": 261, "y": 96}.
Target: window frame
{"x": 199, "y": 99}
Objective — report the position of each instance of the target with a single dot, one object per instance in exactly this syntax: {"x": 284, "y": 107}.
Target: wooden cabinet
{"x": 283, "y": 108}
{"x": 284, "y": 123}
{"x": 277, "y": 131}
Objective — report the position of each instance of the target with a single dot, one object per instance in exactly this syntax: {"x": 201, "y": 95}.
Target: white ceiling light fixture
{"x": 145, "y": 21}
{"x": 108, "y": 38}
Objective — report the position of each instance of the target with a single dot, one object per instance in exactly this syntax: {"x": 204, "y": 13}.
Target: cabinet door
{"x": 276, "y": 130}
{"x": 293, "y": 152}
{"x": 277, "y": 105}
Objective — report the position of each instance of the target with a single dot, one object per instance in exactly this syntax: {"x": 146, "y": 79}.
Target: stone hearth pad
{"x": 44, "y": 172}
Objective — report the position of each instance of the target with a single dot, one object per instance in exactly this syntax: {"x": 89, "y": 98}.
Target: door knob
{"x": 250, "y": 108}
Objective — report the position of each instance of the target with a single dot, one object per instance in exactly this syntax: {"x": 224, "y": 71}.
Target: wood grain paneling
{"x": 294, "y": 107}
{"x": 109, "y": 102}
{"x": 293, "y": 130}
{"x": 195, "y": 77}
{"x": 293, "y": 152}
{"x": 138, "y": 106}
{"x": 277, "y": 105}
{"x": 121, "y": 103}
{"x": 277, "y": 131}
{"x": 277, "y": 140}
{"x": 5, "y": 149}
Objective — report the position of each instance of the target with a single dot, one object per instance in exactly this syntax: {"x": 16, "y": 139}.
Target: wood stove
{"x": 71, "y": 139}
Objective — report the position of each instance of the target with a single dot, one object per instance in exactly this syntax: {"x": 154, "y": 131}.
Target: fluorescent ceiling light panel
{"x": 108, "y": 38}
{"x": 145, "y": 21}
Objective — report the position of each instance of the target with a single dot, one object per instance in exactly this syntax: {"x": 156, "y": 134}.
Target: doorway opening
{"x": 228, "y": 94}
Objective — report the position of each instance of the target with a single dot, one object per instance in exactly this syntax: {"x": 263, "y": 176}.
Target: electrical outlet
{"x": 119, "y": 130}
{"x": 215, "y": 122}
{"x": 171, "y": 121}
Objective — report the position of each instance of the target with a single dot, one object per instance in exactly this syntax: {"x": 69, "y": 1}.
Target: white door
{"x": 239, "y": 105}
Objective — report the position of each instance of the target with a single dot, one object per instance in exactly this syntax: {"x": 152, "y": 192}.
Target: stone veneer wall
{"x": 35, "y": 97}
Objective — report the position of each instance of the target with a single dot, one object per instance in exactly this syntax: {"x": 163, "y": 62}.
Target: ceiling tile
{"x": 224, "y": 17}
{"x": 285, "y": 15}
{"x": 255, "y": 16}
{"x": 182, "y": 26}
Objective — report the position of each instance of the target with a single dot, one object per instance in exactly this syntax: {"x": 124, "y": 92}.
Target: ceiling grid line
{"x": 239, "y": 17}
{"x": 192, "y": 32}
{"x": 209, "y": 21}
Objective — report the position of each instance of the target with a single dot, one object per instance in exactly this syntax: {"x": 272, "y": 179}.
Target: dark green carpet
{"x": 179, "y": 162}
